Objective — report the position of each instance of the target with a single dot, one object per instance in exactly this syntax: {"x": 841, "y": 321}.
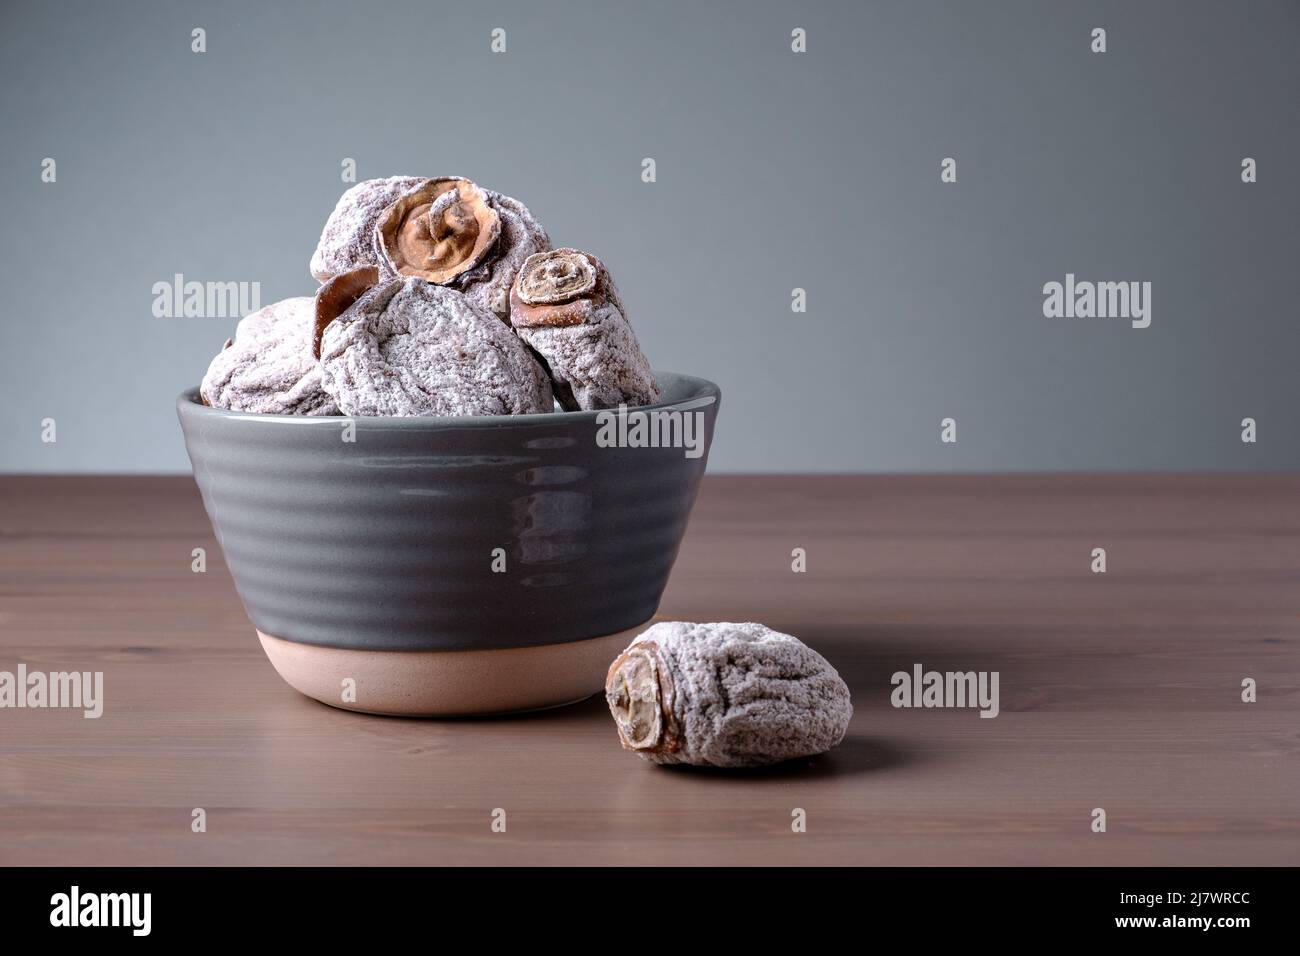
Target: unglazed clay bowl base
{"x": 448, "y": 683}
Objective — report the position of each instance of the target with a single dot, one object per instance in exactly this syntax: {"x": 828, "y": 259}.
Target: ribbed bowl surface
{"x": 389, "y": 541}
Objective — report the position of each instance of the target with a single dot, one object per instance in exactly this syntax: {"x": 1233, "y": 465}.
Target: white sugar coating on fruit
{"x": 729, "y": 695}
{"x": 599, "y": 363}
{"x": 566, "y": 306}
{"x": 521, "y": 236}
{"x": 409, "y": 347}
{"x": 269, "y": 367}
{"x": 347, "y": 240}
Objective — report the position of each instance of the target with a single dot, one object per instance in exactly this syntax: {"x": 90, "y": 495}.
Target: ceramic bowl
{"x": 458, "y": 565}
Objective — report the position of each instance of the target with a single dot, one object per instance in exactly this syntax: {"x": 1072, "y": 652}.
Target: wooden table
{"x": 1119, "y": 690}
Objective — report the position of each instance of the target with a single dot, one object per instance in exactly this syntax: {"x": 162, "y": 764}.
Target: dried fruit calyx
{"x": 336, "y": 296}
{"x": 439, "y": 231}
{"x": 725, "y": 695}
{"x": 560, "y": 287}
{"x": 639, "y": 692}
{"x": 557, "y": 278}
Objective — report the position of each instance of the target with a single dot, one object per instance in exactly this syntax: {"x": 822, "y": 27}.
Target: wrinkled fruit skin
{"x": 489, "y": 283}
{"x": 336, "y": 296}
{"x": 564, "y": 304}
{"x": 268, "y": 367}
{"x": 409, "y": 347}
{"x": 347, "y": 241}
{"x": 725, "y": 695}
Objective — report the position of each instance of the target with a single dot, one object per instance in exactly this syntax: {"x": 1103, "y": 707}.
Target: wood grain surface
{"x": 1119, "y": 690}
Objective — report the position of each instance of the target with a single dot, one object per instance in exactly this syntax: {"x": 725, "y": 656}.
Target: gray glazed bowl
{"x": 388, "y": 543}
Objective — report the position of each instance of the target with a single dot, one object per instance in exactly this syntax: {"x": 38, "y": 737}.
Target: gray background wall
{"x": 775, "y": 170}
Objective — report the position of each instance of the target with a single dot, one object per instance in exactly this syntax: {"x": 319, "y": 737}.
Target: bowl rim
{"x": 702, "y": 393}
